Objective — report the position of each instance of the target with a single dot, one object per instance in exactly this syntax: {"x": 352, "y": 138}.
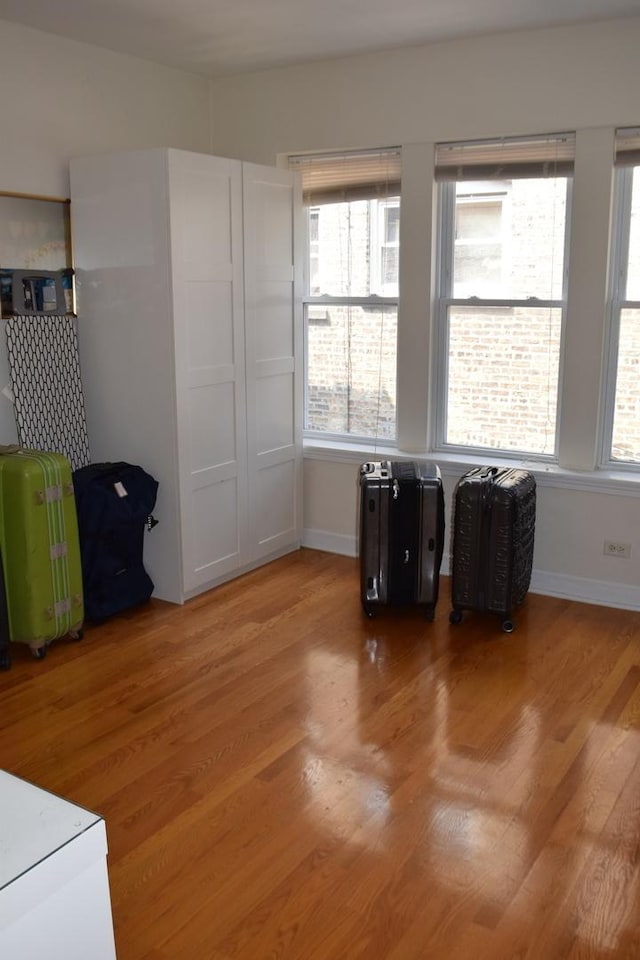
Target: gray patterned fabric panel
{"x": 44, "y": 367}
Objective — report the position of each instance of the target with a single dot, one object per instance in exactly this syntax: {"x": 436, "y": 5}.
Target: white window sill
{"x": 617, "y": 482}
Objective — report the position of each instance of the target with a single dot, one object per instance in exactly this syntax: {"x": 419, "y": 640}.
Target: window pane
{"x": 351, "y": 370}
{"x": 509, "y": 241}
{"x": 633, "y": 276}
{"x": 349, "y": 248}
{"x": 503, "y": 378}
{"x": 343, "y": 262}
{"x": 626, "y": 424}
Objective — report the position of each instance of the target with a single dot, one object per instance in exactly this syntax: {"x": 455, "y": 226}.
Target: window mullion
{"x": 444, "y": 266}
{"x": 529, "y": 302}
{"x": 372, "y": 301}
{"x": 617, "y": 303}
{"x": 622, "y": 234}
{"x": 446, "y": 223}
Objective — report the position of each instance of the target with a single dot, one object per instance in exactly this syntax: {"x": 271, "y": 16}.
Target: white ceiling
{"x": 220, "y": 37}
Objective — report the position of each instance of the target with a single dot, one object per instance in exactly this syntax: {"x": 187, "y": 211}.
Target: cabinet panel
{"x": 271, "y": 217}
{"x": 120, "y": 227}
{"x": 129, "y": 198}
{"x": 276, "y": 502}
{"x": 209, "y": 320}
{"x": 212, "y": 433}
{"x": 207, "y": 246}
{"x": 215, "y": 533}
{"x": 274, "y": 330}
{"x": 275, "y": 420}
{"x": 208, "y": 300}
{"x": 273, "y": 327}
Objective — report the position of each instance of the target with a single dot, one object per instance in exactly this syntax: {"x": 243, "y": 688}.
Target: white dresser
{"x": 54, "y": 889}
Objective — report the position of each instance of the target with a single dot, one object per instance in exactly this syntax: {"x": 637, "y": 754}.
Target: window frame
{"x": 374, "y": 300}
{"x": 445, "y": 252}
{"x": 617, "y": 302}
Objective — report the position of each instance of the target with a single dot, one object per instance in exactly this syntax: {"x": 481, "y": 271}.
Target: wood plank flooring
{"x": 282, "y": 777}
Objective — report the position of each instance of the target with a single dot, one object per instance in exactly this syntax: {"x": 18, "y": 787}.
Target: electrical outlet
{"x": 613, "y": 548}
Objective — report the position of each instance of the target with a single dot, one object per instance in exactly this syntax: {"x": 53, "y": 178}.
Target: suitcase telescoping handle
{"x": 488, "y": 472}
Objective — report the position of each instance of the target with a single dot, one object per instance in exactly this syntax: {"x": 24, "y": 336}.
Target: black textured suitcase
{"x": 493, "y": 535}
{"x": 401, "y": 534}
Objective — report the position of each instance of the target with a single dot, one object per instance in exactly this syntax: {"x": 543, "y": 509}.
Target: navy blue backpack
{"x": 115, "y": 504}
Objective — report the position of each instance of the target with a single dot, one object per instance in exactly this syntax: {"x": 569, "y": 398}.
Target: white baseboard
{"x": 331, "y": 542}
{"x": 624, "y": 596}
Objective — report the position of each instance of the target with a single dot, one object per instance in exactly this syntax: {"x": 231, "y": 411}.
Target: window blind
{"x": 627, "y": 147}
{"x": 507, "y": 159}
{"x": 357, "y": 175}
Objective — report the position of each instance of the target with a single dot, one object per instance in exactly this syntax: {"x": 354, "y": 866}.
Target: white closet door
{"x": 206, "y": 230}
{"x": 273, "y": 328}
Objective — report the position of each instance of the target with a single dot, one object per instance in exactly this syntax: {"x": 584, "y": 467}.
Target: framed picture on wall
{"x": 35, "y": 239}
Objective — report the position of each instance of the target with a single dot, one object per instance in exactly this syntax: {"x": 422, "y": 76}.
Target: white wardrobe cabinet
{"x": 190, "y": 331}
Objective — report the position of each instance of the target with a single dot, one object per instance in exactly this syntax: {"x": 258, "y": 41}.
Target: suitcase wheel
{"x": 508, "y": 626}
{"x": 370, "y": 612}
{"x": 76, "y": 634}
{"x": 455, "y": 616}
{"x": 39, "y": 652}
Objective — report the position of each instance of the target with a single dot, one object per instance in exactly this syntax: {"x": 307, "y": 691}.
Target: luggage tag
{"x": 120, "y": 489}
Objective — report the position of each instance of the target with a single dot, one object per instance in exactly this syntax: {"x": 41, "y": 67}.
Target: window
{"x": 351, "y": 292}
{"x": 501, "y": 296}
{"x": 622, "y": 416}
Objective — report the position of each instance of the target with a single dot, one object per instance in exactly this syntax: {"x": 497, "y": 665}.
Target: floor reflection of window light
{"x": 344, "y": 775}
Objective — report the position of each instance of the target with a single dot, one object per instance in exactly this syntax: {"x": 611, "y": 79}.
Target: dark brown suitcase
{"x": 401, "y": 534}
{"x": 493, "y": 536}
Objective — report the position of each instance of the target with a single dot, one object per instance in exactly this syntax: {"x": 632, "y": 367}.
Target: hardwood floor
{"x": 283, "y": 778}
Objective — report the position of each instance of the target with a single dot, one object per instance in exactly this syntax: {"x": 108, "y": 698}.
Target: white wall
{"x": 519, "y": 83}
{"x": 62, "y": 99}
{"x": 571, "y": 78}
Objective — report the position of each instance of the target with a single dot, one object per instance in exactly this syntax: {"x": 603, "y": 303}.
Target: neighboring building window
{"x": 385, "y": 246}
{"x": 501, "y": 299}
{"x": 622, "y": 409}
{"x": 351, "y": 296}
{"x": 481, "y": 253}
{"x": 314, "y": 251}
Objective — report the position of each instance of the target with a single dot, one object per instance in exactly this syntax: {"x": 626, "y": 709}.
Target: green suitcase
{"x": 40, "y": 547}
